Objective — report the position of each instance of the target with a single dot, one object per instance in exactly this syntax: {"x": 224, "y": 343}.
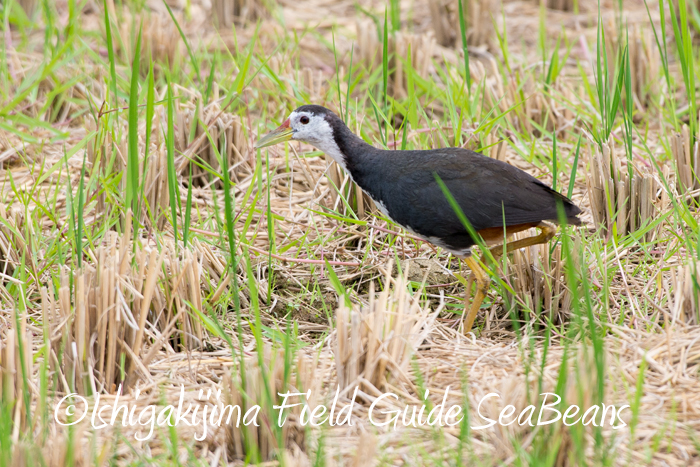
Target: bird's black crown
{"x": 318, "y": 110}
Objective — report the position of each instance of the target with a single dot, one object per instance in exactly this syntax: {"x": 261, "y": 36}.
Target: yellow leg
{"x": 482, "y": 286}
{"x": 547, "y": 231}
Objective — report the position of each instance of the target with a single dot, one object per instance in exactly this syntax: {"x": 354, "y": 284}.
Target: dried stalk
{"x": 685, "y": 305}
{"x": 686, "y": 161}
{"x": 620, "y": 202}
{"x": 226, "y": 13}
{"x": 374, "y": 344}
{"x": 538, "y": 279}
{"x": 479, "y": 15}
{"x": 14, "y": 344}
{"x": 100, "y": 327}
{"x": 29, "y": 7}
{"x": 542, "y": 107}
{"x": 12, "y": 241}
{"x": 243, "y": 441}
{"x": 369, "y": 52}
{"x": 160, "y": 39}
{"x": 644, "y": 61}
{"x": 226, "y": 136}
{"x": 561, "y": 5}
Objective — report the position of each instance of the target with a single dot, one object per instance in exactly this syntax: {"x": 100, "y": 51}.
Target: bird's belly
{"x": 382, "y": 208}
{"x": 461, "y": 252}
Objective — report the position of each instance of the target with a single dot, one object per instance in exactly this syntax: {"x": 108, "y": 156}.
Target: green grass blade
{"x": 132, "y": 164}
{"x": 210, "y": 81}
{"x": 574, "y": 167}
{"x": 229, "y": 207}
{"x": 347, "y": 94}
{"x": 337, "y": 75}
{"x": 385, "y": 63}
{"x": 110, "y": 55}
{"x": 170, "y": 155}
{"x": 555, "y": 170}
{"x": 193, "y": 59}
{"x": 395, "y": 9}
{"x": 188, "y": 211}
{"x": 465, "y": 48}
{"x": 81, "y": 220}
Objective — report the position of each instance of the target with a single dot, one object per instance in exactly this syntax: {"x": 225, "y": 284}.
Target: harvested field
{"x": 160, "y": 275}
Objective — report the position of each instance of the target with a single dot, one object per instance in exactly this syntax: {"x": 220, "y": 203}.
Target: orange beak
{"x": 281, "y": 134}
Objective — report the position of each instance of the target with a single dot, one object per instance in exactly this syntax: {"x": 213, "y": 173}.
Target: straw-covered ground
{"x": 150, "y": 256}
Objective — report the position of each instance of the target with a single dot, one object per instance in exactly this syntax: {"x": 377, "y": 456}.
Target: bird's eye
{"x": 304, "y": 120}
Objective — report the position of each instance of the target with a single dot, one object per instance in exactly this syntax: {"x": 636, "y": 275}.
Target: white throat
{"x": 331, "y": 148}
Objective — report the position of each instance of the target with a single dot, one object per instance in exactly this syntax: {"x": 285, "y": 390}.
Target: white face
{"x": 315, "y": 130}
{"x": 310, "y": 128}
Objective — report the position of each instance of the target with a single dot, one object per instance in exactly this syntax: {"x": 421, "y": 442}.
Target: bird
{"x": 410, "y": 188}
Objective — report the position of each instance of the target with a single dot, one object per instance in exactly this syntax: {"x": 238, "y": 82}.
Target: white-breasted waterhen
{"x": 495, "y": 197}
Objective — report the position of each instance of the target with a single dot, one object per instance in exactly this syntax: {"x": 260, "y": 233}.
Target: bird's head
{"x": 311, "y": 124}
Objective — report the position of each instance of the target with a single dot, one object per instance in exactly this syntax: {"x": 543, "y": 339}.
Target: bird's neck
{"x": 347, "y": 149}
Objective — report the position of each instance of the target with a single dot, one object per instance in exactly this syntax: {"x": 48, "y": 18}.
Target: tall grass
{"x": 173, "y": 185}
{"x": 308, "y": 246}
{"x": 609, "y": 78}
{"x": 686, "y": 59}
{"x": 132, "y": 161}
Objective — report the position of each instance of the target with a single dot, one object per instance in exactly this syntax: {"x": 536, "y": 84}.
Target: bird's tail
{"x": 571, "y": 211}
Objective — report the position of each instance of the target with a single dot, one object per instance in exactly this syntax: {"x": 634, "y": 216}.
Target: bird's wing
{"x": 487, "y": 191}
